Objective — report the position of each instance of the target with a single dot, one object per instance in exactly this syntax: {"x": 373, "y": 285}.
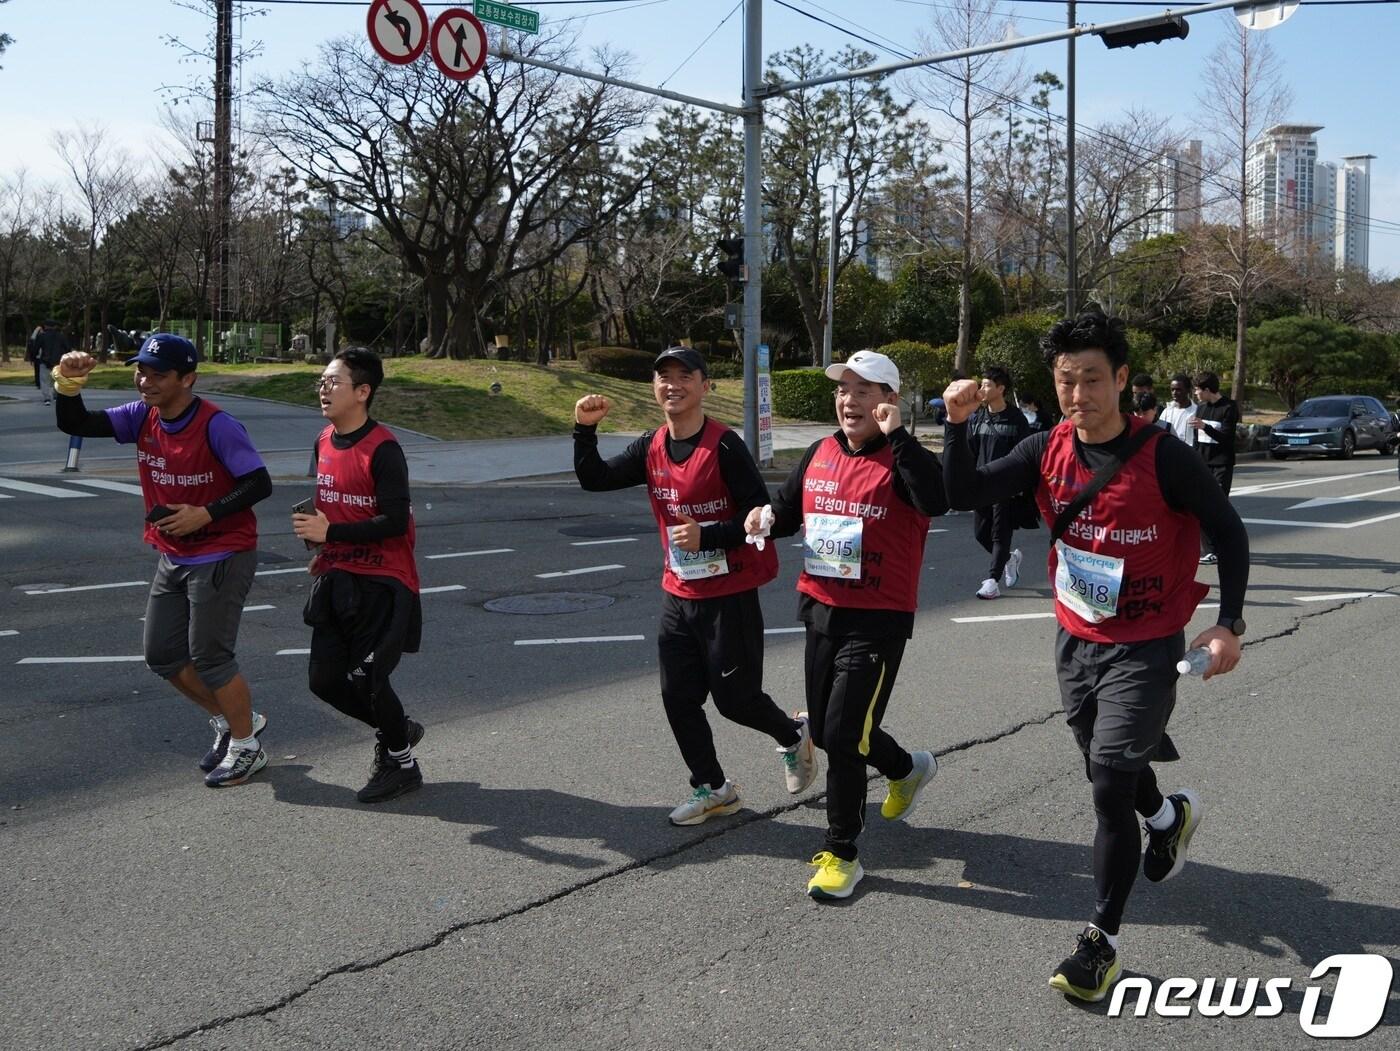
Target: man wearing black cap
{"x": 702, "y": 483}
{"x": 201, "y": 477}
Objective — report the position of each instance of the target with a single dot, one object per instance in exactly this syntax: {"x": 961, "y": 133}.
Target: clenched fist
{"x": 76, "y": 364}
{"x": 887, "y": 416}
{"x": 961, "y": 400}
{"x": 590, "y": 409}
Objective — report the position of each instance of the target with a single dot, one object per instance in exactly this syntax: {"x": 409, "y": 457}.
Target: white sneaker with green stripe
{"x": 706, "y": 802}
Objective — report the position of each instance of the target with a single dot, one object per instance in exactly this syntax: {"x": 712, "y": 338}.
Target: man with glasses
{"x": 364, "y": 609}
{"x": 200, "y": 476}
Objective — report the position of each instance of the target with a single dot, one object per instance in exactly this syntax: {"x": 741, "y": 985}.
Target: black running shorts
{"x": 1118, "y": 698}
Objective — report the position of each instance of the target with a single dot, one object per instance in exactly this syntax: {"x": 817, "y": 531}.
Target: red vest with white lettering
{"x": 1130, "y": 520}
{"x": 345, "y": 493}
{"x": 893, "y": 533}
{"x": 180, "y": 468}
{"x": 696, "y": 488}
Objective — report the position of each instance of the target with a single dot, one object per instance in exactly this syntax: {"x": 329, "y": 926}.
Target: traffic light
{"x": 732, "y": 266}
{"x": 1147, "y": 31}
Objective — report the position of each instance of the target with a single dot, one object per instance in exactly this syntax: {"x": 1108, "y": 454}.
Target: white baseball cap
{"x": 868, "y": 365}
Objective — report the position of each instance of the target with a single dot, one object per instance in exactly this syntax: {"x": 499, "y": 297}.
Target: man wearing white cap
{"x": 863, "y": 497}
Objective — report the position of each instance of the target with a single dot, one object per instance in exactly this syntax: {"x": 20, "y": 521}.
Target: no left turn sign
{"x": 458, "y": 43}
{"x": 398, "y": 29}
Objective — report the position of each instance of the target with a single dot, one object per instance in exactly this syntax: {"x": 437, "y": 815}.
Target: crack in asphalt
{"x": 741, "y": 821}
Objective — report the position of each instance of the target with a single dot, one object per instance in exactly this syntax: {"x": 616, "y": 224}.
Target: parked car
{"x": 1337, "y": 425}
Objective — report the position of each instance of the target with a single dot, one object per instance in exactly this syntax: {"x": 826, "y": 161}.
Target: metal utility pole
{"x": 753, "y": 214}
{"x": 1072, "y": 249}
{"x": 830, "y": 285}
{"x": 223, "y": 159}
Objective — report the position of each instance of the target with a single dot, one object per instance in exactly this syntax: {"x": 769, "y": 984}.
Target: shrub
{"x": 804, "y": 394}
{"x": 1014, "y": 343}
{"x": 1193, "y": 353}
{"x": 618, "y": 362}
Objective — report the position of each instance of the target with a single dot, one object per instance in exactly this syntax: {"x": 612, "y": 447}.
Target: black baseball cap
{"x": 165, "y": 351}
{"x": 690, "y": 359}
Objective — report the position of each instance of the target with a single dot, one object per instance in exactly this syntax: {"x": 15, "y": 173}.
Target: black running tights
{"x": 1119, "y": 796}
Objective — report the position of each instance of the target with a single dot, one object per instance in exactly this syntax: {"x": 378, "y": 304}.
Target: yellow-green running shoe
{"x": 835, "y": 878}
{"x": 904, "y": 793}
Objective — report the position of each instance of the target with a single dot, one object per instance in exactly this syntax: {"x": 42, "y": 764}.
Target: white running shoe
{"x": 800, "y": 761}
{"x": 1012, "y": 573}
{"x": 705, "y": 803}
{"x": 989, "y": 589}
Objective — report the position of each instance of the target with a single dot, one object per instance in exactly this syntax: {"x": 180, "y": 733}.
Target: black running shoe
{"x": 390, "y": 781}
{"x": 381, "y": 753}
{"x": 238, "y": 765}
{"x": 1166, "y": 850}
{"x": 219, "y": 748}
{"x": 1091, "y": 971}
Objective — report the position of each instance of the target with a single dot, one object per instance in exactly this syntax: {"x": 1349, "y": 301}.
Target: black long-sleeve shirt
{"x": 389, "y": 469}
{"x": 76, "y": 419}
{"x": 1186, "y": 485}
{"x": 1221, "y": 418}
{"x": 918, "y": 481}
{"x": 736, "y": 467}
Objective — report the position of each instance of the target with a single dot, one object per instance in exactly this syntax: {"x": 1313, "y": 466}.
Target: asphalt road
{"x": 533, "y": 894}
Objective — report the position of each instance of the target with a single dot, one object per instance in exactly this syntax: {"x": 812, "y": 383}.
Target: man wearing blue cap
{"x": 201, "y": 477}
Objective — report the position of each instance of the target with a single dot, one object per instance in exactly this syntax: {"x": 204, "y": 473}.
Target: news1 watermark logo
{"x": 1358, "y": 1002}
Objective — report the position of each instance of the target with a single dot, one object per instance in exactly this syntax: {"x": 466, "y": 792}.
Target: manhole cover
{"x": 614, "y": 528}
{"x": 549, "y": 602}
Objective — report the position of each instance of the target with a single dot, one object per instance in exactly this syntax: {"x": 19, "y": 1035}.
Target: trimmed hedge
{"x": 1014, "y": 343}
{"x": 804, "y": 394}
{"x": 619, "y": 362}
{"x": 1193, "y": 353}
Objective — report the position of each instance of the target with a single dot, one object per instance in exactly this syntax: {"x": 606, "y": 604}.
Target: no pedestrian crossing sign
{"x": 507, "y": 15}
{"x": 458, "y": 44}
{"x": 398, "y": 29}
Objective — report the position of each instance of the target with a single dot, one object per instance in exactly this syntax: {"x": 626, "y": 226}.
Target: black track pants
{"x": 714, "y": 647}
{"x": 993, "y": 526}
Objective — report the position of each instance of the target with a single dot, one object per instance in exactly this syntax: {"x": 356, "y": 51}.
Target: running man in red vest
{"x": 1124, "y": 575}
{"x": 201, "y": 477}
{"x": 364, "y": 610}
{"x": 863, "y": 497}
{"x": 702, "y": 481}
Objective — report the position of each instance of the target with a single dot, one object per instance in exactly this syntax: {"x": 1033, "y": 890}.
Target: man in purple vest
{"x": 201, "y": 477}
{"x": 1125, "y": 502}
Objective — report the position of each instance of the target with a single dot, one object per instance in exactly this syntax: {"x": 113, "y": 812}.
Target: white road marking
{"x": 41, "y": 490}
{"x": 1339, "y": 596}
{"x": 8, "y": 633}
{"x": 469, "y": 554}
{"x": 91, "y": 587}
{"x": 784, "y": 631}
{"x": 1005, "y": 616}
{"x": 81, "y": 660}
{"x": 579, "y": 572}
{"x": 293, "y": 653}
{"x": 938, "y": 530}
{"x": 585, "y": 638}
{"x": 1320, "y": 525}
{"x": 276, "y": 572}
{"x": 103, "y": 483}
{"x": 1324, "y": 501}
{"x": 249, "y": 609}
{"x": 1269, "y": 487}
{"x": 6, "y": 496}
{"x": 596, "y": 543}
{"x": 442, "y": 587}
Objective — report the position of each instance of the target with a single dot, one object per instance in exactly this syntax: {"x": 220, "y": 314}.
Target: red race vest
{"x": 180, "y": 468}
{"x": 863, "y": 546}
{"x": 1127, "y": 520}
{"x": 697, "y": 489}
{"x": 345, "y": 493}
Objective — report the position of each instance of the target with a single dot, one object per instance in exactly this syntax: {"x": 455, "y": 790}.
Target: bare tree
{"x": 1243, "y": 94}
{"x": 16, "y": 231}
{"x": 970, "y": 92}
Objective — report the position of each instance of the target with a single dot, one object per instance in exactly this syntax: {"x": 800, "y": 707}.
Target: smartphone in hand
{"x": 158, "y": 512}
{"x": 306, "y": 507}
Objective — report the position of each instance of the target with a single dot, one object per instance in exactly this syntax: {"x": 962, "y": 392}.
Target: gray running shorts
{"x": 1118, "y": 698}
{"x": 192, "y": 616}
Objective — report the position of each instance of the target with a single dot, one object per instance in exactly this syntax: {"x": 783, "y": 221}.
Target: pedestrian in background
{"x": 50, "y": 346}
{"x": 995, "y": 429}
{"x": 1214, "y": 424}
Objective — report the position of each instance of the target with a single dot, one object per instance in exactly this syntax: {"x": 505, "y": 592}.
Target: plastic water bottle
{"x": 1195, "y": 662}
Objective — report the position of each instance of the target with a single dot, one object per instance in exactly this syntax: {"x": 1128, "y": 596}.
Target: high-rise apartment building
{"x": 1168, "y": 194}
{"x": 1353, "y": 212}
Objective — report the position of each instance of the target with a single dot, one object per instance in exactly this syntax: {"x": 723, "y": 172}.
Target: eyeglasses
{"x": 327, "y": 383}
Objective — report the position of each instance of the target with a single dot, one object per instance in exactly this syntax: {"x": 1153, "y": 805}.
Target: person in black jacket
{"x": 995, "y": 429}
{"x": 1216, "y": 419}
{"x": 50, "y": 344}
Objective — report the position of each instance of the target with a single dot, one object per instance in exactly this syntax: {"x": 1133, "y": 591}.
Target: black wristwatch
{"x": 1236, "y": 625}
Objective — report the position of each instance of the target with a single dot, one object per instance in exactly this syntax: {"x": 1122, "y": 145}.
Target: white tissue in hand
{"x": 765, "y": 523}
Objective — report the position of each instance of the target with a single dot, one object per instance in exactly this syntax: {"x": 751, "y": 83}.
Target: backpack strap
{"x": 1101, "y": 478}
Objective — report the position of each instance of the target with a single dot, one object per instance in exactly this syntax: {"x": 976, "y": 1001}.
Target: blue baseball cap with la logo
{"x": 165, "y": 351}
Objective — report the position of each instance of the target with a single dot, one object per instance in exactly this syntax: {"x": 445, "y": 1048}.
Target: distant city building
{"x": 344, "y": 221}
{"x": 1353, "y": 212}
{"x": 1282, "y": 171}
{"x": 1168, "y": 194}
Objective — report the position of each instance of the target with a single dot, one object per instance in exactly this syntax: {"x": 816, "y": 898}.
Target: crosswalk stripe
{"x": 107, "y": 484}
{"x": 41, "y": 490}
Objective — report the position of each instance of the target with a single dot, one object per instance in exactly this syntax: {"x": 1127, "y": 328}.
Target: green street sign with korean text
{"x": 507, "y": 15}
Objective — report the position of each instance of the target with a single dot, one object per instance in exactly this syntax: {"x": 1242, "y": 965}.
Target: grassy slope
{"x": 451, "y": 399}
